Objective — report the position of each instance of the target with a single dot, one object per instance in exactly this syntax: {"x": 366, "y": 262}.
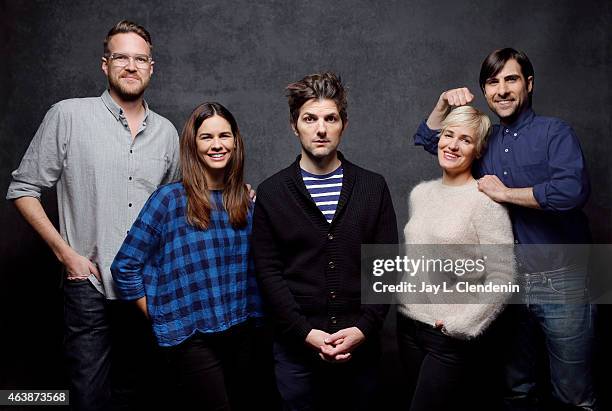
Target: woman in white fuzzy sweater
{"x": 437, "y": 333}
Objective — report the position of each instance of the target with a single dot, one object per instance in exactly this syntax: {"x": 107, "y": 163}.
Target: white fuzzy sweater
{"x": 441, "y": 214}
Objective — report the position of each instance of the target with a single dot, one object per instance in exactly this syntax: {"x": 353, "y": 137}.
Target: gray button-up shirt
{"x": 103, "y": 176}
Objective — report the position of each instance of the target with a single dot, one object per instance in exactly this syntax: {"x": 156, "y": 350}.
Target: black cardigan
{"x": 309, "y": 270}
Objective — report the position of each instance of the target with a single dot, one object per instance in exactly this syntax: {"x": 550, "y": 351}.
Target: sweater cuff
{"x": 302, "y": 330}
{"x": 366, "y": 327}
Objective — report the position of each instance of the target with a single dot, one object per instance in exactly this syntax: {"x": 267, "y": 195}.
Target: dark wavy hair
{"x": 235, "y": 196}
{"x": 318, "y": 86}
{"x": 496, "y": 61}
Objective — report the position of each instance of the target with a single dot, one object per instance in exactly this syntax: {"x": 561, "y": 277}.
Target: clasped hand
{"x": 336, "y": 347}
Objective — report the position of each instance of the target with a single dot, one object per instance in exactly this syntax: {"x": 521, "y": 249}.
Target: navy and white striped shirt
{"x": 194, "y": 280}
{"x": 325, "y": 190}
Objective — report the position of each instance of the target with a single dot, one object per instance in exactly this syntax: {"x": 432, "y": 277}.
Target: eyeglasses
{"x": 142, "y": 61}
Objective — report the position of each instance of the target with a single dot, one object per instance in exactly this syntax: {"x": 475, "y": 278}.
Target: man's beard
{"x": 127, "y": 93}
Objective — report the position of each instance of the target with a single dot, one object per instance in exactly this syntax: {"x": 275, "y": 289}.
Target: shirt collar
{"x": 116, "y": 109}
{"x": 523, "y": 120}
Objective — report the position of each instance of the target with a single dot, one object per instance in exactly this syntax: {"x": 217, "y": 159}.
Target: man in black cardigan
{"x": 307, "y": 255}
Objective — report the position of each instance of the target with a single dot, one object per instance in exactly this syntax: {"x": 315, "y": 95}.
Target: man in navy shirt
{"x": 535, "y": 166}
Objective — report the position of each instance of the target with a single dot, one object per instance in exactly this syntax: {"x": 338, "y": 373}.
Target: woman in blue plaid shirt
{"x": 186, "y": 262}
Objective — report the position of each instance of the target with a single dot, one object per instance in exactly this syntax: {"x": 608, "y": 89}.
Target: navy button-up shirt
{"x": 543, "y": 153}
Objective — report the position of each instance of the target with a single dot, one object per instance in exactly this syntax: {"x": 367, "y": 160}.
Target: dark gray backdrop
{"x": 396, "y": 57}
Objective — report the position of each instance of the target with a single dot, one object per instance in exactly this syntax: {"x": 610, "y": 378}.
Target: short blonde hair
{"x": 468, "y": 116}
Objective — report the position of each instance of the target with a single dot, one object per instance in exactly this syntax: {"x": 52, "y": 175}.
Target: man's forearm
{"x": 33, "y": 212}
{"x": 141, "y": 303}
{"x": 438, "y": 114}
{"x": 493, "y": 187}
{"x": 522, "y": 197}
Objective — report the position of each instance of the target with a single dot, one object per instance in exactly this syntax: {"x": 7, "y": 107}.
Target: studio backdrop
{"x": 395, "y": 57}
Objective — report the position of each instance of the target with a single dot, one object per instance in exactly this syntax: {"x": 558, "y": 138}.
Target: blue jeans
{"x": 109, "y": 350}
{"x": 307, "y": 383}
{"x": 87, "y": 343}
{"x": 557, "y": 311}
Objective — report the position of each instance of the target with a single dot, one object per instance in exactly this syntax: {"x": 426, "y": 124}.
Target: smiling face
{"x": 127, "y": 82}
{"x": 215, "y": 144}
{"x": 319, "y": 128}
{"x": 457, "y": 150}
{"x": 507, "y": 92}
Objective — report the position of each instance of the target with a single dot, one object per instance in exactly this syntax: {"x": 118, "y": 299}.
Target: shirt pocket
{"x": 576, "y": 286}
{"x": 151, "y": 171}
{"x": 529, "y": 175}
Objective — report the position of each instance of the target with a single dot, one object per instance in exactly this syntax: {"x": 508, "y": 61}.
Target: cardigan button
{"x": 333, "y": 320}
{"x": 330, "y": 236}
{"x": 331, "y": 264}
{"x": 332, "y": 295}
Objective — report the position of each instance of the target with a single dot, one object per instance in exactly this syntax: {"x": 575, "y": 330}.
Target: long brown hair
{"x": 235, "y": 196}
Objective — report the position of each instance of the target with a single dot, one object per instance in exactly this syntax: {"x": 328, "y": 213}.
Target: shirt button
{"x": 505, "y": 173}
{"x": 130, "y": 204}
{"x": 506, "y": 150}
{"x": 331, "y": 264}
{"x": 330, "y": 236}
{"x": 130, "y": 151}
{"x": 130, "y": 178}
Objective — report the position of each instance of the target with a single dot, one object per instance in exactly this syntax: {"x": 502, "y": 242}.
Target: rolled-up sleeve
{"x": 568, "y": 187}
{"x": 43, "y": 162}
{"x": 427, "y": 138}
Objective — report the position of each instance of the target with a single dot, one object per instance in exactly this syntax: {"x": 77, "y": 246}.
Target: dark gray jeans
{"x": 92, "y": 325}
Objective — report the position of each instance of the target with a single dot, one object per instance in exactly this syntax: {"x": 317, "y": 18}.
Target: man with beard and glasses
{"x": 106, "y": 155}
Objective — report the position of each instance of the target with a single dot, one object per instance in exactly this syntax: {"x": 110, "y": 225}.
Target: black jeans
{"x": 438, "y": 367}
{"x": 214, "y": 371}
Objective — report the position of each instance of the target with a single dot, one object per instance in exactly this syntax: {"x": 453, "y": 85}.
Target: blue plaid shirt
{"x": 194, "y": 280}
